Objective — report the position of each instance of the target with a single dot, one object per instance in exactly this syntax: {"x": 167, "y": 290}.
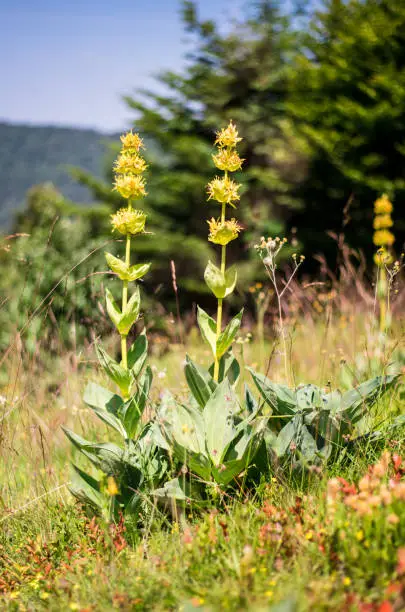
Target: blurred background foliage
{"x": 319, "y": 98}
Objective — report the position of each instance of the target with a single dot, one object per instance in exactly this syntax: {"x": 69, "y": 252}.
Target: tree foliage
{"x": 347, "y": 100}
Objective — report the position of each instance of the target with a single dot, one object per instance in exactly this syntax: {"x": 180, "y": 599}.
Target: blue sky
{"x": 68, "y": 62}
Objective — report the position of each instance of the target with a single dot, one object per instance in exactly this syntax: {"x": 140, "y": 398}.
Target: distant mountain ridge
{"x": 30, "y": 155}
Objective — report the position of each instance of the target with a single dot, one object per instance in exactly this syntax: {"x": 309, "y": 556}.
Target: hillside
{"x": 32, "y": 154}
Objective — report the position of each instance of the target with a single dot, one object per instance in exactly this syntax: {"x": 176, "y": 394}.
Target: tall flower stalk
{"x": 129, "y": 222}
{"x": 384, "y": 239}
{"x": 124, "y": 468}
{"x": 222, "y": 231}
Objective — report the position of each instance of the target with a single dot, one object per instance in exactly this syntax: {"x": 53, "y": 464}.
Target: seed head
{"x": 128, "y": 221}
{"x": 131, "y": 143}
{"x": 130, "y": 186}
{"x": 383, "y": 205}
{"x": 228, "y": 137}
{"x": 129, "y": 163}
{"x": 223, "y": 190}
{"x": 383, "y": 237}
{"x": 223, "y": 232}
{"x": 227, "y": 159}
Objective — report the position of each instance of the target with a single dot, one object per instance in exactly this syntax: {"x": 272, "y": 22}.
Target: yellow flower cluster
{"x": 228, "y": 137}
{"x": 222, "y": 232}
{"x": 129, "y": 166}
{"x": 130, "y": 184}
{"x": 223, "y": 189}
{"x": 128, "y": 221}
{"x": 383, "y": 237}
{"x": 383, "y": 205}
{"x": 228, "y": 159}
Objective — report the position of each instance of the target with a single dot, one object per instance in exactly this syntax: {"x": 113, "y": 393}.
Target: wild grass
{"x": 278, "y": 545}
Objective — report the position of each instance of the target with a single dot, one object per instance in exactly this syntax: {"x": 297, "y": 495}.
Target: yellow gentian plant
{"x": 220, "y": 280}
{"x": 128, "y": 222}
{"x": 384, "y": 239}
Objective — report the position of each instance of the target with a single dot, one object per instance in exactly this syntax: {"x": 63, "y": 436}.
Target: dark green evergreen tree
{"x": 348, "y": 102}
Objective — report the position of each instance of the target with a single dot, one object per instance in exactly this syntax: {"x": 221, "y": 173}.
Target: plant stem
{"x": 125, "y": 298}
{"x": 383, "y": 305}
{"x": 220, "y": 300}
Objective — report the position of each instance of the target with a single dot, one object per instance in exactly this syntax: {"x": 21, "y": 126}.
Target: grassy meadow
{"x": 285, "y": 545}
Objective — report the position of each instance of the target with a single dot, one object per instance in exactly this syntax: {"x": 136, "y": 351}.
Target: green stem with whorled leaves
{"x": 124, "y": 358}
{"x": 220, "y": 300}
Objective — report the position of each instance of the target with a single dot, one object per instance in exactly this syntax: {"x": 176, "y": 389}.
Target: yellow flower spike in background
{"x": 382, "y": 222}
{"x": 222, "y": 281}
{"x": 384, "y": 239}
{"x": 383, "y": 205}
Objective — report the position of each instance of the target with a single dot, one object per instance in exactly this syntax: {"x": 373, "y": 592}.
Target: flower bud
{"x": 128, "y": 221}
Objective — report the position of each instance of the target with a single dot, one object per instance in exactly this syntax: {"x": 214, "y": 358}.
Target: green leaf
{"x": 98, "y": 397}
{"x": 107, "y": 457}
{"x": 208, "y": 328}
{"x": 228, "y": 368}
{"x": 250, "y": 401}
{"x": 125, "y": 272}
{"x": 114, "y": 370}
{"x": 113, "y": 309}
{"x": 355, "y": 402}
{"x": 287, "y": 435}
{"x": 200, "y": 383}
{"x": 178, "y": 489}
{"x": 242, "y": 450}
{"x": 131, "y": 412}
{"x": 117, "y": 266}
{"x": 138, "y": 271}
{"x": 228, "y": 335}
{"x": 218, "y": 417}
{"x": 137, "y": 354}
{"x": 123, "y": 321}
{"x": 131, "y": 312}
{"x": 220, "y": 284}
{"x": 86, "y": 489}
{"x": 280, "y": 398}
